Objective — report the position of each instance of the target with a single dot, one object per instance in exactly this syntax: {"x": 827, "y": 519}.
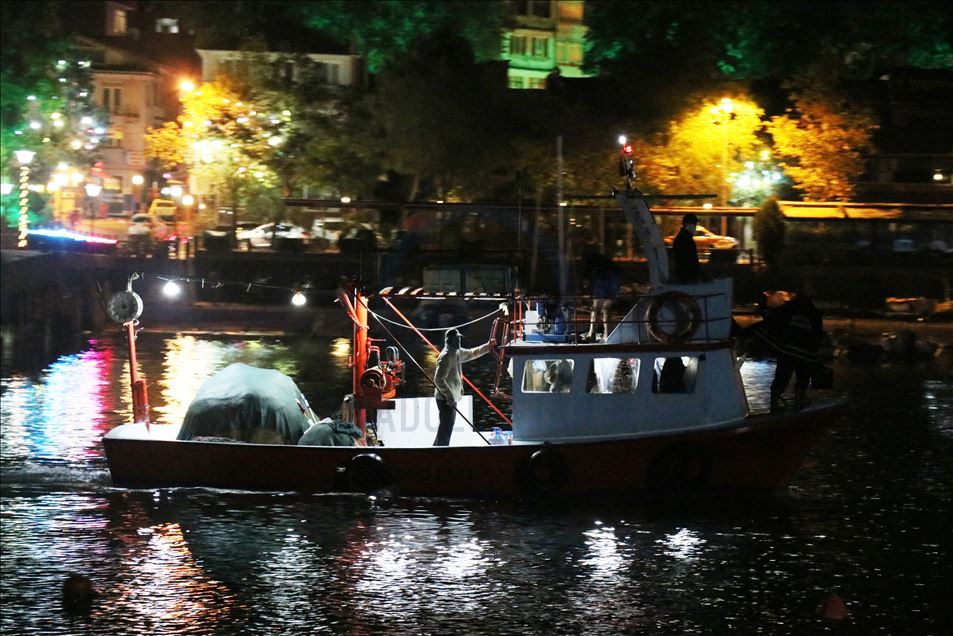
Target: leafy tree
{"x": 383, "y": 31}
{"x": 45, "y": 93}
{"x": 821, "y": 142}
{"x": 228, "y": 143}
{"x": 438, "y": 116}
{"x": 703, "y": 148}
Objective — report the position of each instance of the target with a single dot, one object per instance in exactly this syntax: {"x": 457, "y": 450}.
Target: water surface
{"x": 868, "y": 517}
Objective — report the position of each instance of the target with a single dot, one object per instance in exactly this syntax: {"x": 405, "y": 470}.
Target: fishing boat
{"x": 657, "y": 407}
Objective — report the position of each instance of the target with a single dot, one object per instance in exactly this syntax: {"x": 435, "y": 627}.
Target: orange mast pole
{"x": 360, "y": 360}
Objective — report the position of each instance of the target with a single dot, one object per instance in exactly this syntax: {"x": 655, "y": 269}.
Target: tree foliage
{"x": 822, "y": 143}
{"x": 702, "y": 149}
{"x": 227, "y": 142}
{"x": 383, "y": 31}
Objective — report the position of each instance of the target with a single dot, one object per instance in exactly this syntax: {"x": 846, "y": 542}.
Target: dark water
{"x": 869, "y": 517}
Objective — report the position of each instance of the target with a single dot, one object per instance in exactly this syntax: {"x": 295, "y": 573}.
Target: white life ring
{"x": 673, "y": 317}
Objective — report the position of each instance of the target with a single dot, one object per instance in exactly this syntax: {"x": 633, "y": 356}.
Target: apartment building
{"x": 544, "y": 36}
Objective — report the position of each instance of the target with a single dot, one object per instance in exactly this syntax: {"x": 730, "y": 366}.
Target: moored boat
{"x": 659, "y": 406}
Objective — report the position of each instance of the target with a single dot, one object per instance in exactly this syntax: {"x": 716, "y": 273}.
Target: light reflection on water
{"x": 868, "y": 517}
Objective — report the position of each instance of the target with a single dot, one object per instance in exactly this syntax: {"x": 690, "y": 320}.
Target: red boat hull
{"x": 760, "y": 453}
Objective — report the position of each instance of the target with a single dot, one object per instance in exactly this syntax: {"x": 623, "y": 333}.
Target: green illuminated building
{"x": 544, "y": 36}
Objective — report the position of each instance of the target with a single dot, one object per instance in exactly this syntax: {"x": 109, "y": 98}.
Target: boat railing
{"x": 558, "y": 319}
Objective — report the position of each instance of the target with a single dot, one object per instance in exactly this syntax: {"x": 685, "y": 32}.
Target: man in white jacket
{"x": 448, "y": 381}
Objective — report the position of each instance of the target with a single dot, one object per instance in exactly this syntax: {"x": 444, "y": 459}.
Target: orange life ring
{"x": 687, "y": 316}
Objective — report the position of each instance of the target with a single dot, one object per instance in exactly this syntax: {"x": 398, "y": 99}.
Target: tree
{"x": 821, "y": 142}
{"x": 384, "y": 31}
{"x": 45, "y": 94}
{"x": 228, "y": 143}
{"x": 438, "y": 117}
{"x": 702, "y": 150}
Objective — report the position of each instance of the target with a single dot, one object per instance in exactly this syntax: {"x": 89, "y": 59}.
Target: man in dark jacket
{"x": 795, "y": 330}
{"x": 687, "y": 269}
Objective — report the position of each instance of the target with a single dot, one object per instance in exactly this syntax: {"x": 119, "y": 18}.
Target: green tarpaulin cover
{"x": 248, "y": 404}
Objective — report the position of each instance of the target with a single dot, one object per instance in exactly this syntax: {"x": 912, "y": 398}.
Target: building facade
{"x": 544, "y": 37}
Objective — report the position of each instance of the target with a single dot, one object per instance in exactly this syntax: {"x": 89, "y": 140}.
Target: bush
{"x": 769, "y": 232}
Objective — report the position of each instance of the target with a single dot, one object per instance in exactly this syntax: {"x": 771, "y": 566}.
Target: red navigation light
{"x": 627, "y": 149}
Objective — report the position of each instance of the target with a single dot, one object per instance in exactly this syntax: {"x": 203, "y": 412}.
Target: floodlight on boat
{"x": 299, "y": 299}
{"x": 622, "y": 140}
{"x": 171, "y": 289}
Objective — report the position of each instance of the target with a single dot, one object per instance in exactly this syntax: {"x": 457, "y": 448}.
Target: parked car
{"x": 708, "y": 240}
{"x": 149, "y": 234}
{"x": 149, "y": 226}
{"x": 261, "y": 236}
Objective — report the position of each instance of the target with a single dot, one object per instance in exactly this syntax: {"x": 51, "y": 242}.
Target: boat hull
{"x": 758, "y": 453}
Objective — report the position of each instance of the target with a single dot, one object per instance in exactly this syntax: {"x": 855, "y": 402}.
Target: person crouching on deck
{"x": 448, "y": 381}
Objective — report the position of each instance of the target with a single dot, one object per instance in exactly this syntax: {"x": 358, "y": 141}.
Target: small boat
{"x": 658, "y": 407}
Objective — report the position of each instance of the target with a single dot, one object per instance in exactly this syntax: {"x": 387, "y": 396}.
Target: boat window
{"x": 613, "y": 375}
{"x": 674, "y": 375}
{"x": 547, "y": 376}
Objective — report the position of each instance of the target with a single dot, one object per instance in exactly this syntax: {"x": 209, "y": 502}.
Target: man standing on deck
{"x": 448, "y": 381}
{"x": 685, "y": 252}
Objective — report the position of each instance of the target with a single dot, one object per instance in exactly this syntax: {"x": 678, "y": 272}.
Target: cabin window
{"x": 547, "y": 376}
{"x": 675, "y": 374}
{"x": 613, "y": 375}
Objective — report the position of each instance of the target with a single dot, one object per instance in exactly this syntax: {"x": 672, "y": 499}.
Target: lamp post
{"x": 724, "y": 112}
{"x": 137, "y": 181}
{"x": 24, "y": 157}
{"x": 92, "y": 191}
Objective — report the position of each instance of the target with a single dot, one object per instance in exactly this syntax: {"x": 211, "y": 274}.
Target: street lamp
{"x": 724, "y": 112}
{"x": 137, "y": 181}
{"x": 24, "y": 157}
{"x": 92, "y": 191}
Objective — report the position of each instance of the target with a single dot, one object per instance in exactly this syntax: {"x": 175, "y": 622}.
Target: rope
{"x": 460, "y": 326}
{"x": 417, "y": 364}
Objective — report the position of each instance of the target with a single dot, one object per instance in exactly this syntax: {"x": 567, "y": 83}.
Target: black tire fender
{"x": 366, "y": 473}
{"x": 544, "y": 471}
{"x": 680, "y": 466}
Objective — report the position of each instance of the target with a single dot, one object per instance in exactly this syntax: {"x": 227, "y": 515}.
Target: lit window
{"x": 536, "y": 82}
{"x": 547, "y": 376}
{"x": 540, "y": 47}
{"x": 518, "y": 45}
{"x": 609, "y": 376}
{"x": 167, "y": 25}
{"x": 118, "y": 22}
{"x": 674, "y": 375}
{"x": 516, "y": 82}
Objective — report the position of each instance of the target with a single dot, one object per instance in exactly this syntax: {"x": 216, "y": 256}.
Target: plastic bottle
{"x": 497, "y": 438}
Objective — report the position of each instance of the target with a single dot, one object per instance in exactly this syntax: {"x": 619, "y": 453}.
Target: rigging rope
{"x": 421, "y": 369}
{"x": 460, "y": 326}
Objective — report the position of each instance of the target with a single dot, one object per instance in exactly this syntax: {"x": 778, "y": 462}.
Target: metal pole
{"x": 559, "y": 217}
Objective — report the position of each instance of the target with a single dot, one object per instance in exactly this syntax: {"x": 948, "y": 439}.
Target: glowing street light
{"x": 24, "y": 157}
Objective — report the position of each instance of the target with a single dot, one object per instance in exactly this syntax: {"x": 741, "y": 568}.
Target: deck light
{"x": 171, "y": 289}
{"x": 298, "y": 299}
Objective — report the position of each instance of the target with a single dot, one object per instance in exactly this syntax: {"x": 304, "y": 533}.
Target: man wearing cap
{"x": 448, "y": 381}
{"x": 687, "y": 269}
